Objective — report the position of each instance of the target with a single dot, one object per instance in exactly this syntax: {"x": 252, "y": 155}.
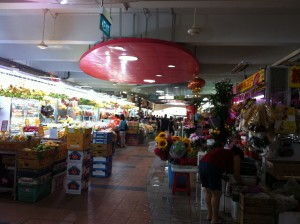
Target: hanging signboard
{"x": 254, "y": 80}
{"x": 294, "y": 77}
{"x": 105, "y": 22}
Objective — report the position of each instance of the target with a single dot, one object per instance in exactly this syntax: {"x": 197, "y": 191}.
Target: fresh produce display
{"x": 6, "y": 137}
{"x": 30, "y": 129}
{"x": 45, "y": 146}
{"x": 86, "y": 113}
{"x": 21, "y": 92}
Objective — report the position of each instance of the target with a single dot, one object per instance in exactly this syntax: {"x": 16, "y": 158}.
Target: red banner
{"x": 190, "y": 113}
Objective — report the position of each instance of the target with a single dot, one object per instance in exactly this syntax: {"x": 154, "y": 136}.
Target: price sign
{"x": 26, "y": 122}
{"x": 4, "y": 125}
{"x": 41, "y": 131}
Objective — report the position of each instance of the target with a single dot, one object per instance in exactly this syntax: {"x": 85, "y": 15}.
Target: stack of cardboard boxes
{"x": 102, "y": 149}
{"x": 78, "y": 161}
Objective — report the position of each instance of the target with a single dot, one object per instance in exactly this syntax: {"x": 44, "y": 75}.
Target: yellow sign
{"x": 41, "y": 131}
{"x": 253, "y": 81}
{"x": 294, "y": 77}
{"x": 26, "y": 122}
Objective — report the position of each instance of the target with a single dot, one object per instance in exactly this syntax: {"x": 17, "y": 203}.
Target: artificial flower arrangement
{"x": 175, "y": 149}
{"x": 215, "y": 134}
{"x": 196, "y": 141}
{"x": 189, "y": 129}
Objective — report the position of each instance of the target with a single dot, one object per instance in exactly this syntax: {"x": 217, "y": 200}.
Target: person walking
{"x": 171, "y": 126}
{"x": 164, "y": 126}
{"x": 211, "y": 168}
{"x": 122, "y": 131}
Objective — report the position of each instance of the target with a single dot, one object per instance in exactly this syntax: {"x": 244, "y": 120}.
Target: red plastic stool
{"x": 187, "y": 187}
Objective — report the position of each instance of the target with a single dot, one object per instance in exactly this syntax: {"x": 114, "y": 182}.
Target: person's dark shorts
{"x": 210, "y": 176}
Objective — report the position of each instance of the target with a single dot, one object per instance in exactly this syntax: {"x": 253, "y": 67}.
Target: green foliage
{"x": 58, "y": 96}
{"x": 222, "y": 99}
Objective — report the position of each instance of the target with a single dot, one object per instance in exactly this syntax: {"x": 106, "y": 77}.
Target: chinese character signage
{"x": 254, "y": 80}
{"x": 294, "y": 77}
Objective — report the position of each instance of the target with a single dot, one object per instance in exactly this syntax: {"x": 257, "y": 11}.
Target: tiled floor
{"x": 136, "y": 192}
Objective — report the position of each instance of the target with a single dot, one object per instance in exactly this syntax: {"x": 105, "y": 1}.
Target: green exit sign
{"x": 105, "y": 25}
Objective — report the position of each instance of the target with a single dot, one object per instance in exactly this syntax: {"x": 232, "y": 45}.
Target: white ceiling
{"x": 259, "y": 32}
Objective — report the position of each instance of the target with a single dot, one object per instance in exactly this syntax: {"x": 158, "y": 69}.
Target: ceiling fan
{"x": 42, "y": 45}
{"x": 194, "y": 30}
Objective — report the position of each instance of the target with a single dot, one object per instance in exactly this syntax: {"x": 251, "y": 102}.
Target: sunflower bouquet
{"x": 173, "y": 148}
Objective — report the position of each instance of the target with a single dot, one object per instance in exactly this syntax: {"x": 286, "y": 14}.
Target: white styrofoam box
{"x": 289, "y": 218}
{"x": 76, "y": 186}
{"x": 102, "y": 159}
{"x": 77, "y": 171}
{"x": 78, "y": 156}
{"x": 102, "y": 166}
{"x": 235, "y": 210}
{"x": 101, "y": 173}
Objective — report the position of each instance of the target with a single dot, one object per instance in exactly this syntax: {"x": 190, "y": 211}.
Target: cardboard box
{"x": 101, "y": 173}
{"x": 79, "y": 141}
{"x": 102, "y": 141}
{"x": 103, "y": 166}
{"x": 103, "y": 159}
{"x": 77, "y": 171}
{"x": 101, "y": 146}
{"x": 81, "y": 157}
{"x": 76, "y": 186}
{"x": 102, "y": 137}
{"x": 79, "y": 130}
{"x": 101, "y": 150}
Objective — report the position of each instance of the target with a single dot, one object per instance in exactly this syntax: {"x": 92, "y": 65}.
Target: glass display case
{"x": 23, "y": 111}
{"x": 87, "y": 113}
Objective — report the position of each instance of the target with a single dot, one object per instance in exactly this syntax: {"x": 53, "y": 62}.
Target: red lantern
{"x": 196, "y": 84}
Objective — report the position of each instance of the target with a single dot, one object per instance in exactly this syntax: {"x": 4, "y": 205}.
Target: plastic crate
{"x": 33, "y": 173}
{"x": 33, "y": 193}
{"x": 58, "y": 182}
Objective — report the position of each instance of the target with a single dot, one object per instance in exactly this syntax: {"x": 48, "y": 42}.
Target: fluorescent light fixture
{"x": 176, "y": 87}
{"x": 149, "y": 80}
{"x": 171, "y": 66}
{"x": 114, "y": 84}
{"x": 160, "y": 91}
{"x": 259, "y": 97}
{"x": 128, "y": 58}
{"x": 240, "y": 67}
{"x": 63, "y": 2}
{"x": 124, "y": 92}
{"x": 158, "y": 75}
{"x": 166, "y": 97}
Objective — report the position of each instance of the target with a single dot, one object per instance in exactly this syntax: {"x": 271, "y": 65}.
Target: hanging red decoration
{"x": 196, "y": 84}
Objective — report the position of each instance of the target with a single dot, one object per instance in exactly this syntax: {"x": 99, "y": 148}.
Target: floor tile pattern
{"x": 137, "y": 192}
